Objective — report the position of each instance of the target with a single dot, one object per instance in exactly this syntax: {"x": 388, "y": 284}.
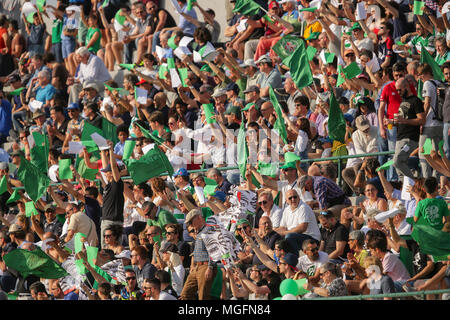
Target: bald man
{"x": 411, "y": 115}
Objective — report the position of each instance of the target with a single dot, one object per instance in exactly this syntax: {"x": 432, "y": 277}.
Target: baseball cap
{"x": 90, "y": 85}
{"x": 107, "y": 168}
{"x": 232, "y": 86}
{"x": 17, "y": 153}
{"x": 220, "y": 195}
{"x": 242, "y": 221}
{"x": 233, "y": 110}
{"x": 192, "y": 214}
{"x": 371, "y": 213}
{"x": 168, "y": 246}
{"x": 48, "y": 207}
{"x": 288, "y": 165}
{"x": 126, "y": 254}
{"x": 252, "y": 88}
{"x": 348, "y": 117}
{"x": 37, "y": 114}
{"x": 181, "y": 172}
{"x": 273, "y": 4}
{"x": 263, "y": 58}
{"x": 313, "y": 36}
{"x": 326, "y": 139}
{"x": 141, "y": 82}
{"x": 291, "y": 259}
{"x": 219, "y": 93}
{"x": 362, "y": 123}
{"x": 248, "y": 106}
{"x": 73, "y": 106}
{"x": 14, "y": 228}
{"x": 248, "y": 63}
{"x": 355, "y": 26}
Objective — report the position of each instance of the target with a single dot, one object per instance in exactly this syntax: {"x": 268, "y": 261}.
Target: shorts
{"x": 67, "y": 47}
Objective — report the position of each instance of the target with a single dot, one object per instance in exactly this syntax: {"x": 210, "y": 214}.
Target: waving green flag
{"x": 242, "y": 150}
{"x": 150, "y": 165}
{"x": 33, "y": 179}
{"x": 336, "y": 121}
{"x": 14, "y": 197}
{"x": 279, "y": 123}
{"x": 425, "y": 57}
{"x": 246, "y": 7}
{"x": 39, "y": 153}
{"x": 299, "y": 68}
{"x": 286, "y": 46}
{"x": 34, "y": 262}
{"x": 431, "y": 241}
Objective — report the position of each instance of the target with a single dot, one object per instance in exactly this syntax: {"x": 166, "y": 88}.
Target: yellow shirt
{"x": 313, "y": 27}
{"x": 360, "y": 257}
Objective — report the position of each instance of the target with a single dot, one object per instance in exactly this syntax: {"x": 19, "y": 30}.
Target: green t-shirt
{"x": 56, "y": 31}
{"x": 431, "y": 212}
{"x": 164, "y": 217}
{"x": 442, "y": 59}
{"x": 90, "y": 34}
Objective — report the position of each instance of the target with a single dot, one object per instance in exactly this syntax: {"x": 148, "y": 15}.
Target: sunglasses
{"x": 170, "y": 232}
{"x": 293, "y": 197}
{"x": 107, "y": 235}
{"x": 262, "y": 202}
{"x": 350, "y": 55}
{"x": 150, "y": 234}
{"x": 314, "y": 249}
{"x": 130, "y": 278}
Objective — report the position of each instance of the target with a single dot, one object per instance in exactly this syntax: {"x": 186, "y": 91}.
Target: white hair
{"x": 82, "y": 51}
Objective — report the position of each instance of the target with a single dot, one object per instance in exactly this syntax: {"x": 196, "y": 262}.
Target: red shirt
{"x": 390, "y": 96}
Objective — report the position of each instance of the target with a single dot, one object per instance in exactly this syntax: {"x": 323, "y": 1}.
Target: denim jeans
{"x": 446, "y": 137}
{"x": 155, "y": 41}
{"x": 21, "y": 115}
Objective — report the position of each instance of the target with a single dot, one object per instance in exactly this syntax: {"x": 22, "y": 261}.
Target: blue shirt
{"x": 45, "y": 94}
{"x": 5, "y": 117}
{"x": 187, "y": 27}
{"x": 118, "y": 148}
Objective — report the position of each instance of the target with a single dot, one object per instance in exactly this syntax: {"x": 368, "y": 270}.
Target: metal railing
{"x": 336, "y": 158}
{"x": 423, "y": 295}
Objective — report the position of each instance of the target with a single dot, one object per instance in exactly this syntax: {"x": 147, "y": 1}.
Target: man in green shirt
{"x": 432, "y": 211}
{"x": 57, "y": 28}
{"x": 156, "y": 216}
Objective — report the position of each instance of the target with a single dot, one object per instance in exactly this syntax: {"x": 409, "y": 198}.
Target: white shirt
{"x": 302, "y": 142}
{"x": 165, "y": 296}
{"x": 309, "y": 267}
{"x": 275, "y": 215}
{"x": 302, "y": 214}
{"x": 365, "y": 143}
{"x": 95, "y": 70}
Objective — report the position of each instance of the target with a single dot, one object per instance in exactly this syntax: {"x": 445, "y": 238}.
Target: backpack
{"x": 438, "y": 107}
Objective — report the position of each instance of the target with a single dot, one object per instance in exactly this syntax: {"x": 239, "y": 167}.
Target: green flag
{"x": 78, "y": 244}
{"x": 386, "y": 165}
{"x": 267, "y": 168}
{"x": 64, "y": 169}
{"x": 291, "y": 157}
{"x": 418, "y": 7}
{"x": 90, "y": 145}
{"x": 34, "y": 262}
{"x": 183, "y": 75}
{"x": 299, "y": 67}
{"x": 30, "y": 209}
{"x": 128, "y": 149}
{"x": 162, "y": 71}
{"x": 33, "y": 179}
{"x": 286, "y": 46}
{"x": 83, "y": 169}
{"x": 91, "y": 253}
{"x": 336, "y": 121}
{"x": 39, "y": 153}
{"x": 150, "y": 135}
{"x": 127, "y": 66}
{"x": 209, "y": 112}
{"x": 150, "y": 165}
{"x": 3, "y": 185}
{"x": 311, "y": 52}
{"x": 340, "y": 79}
{"x": 246, "y": 7}
{"x": 242, "y": 150}
{"x": 352, "y": 70}
{"x": 40, "y": 4}
{"x": 89, "y": 129}
{"x": 14, "y": 197}
{"x": 190, "y": 3}
{"x": 427, "y": 146}
{"x": 171, "y": 42}
{"x": 17, "y": 91}
{"x": 425, "y": 57}
{"x": 308, "y": 9}
{"x": 30, "y": 17}
{"x": 279, "y": 123}
{"x": 171, "y": 63}
{"x": 109, "y": 131}
{"x": 119, "y": 18}
{"x": 431, "y": 241}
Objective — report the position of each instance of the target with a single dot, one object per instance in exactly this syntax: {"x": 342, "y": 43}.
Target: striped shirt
{"x": 326, "y": 191}
{"x": 200, "y": 252}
